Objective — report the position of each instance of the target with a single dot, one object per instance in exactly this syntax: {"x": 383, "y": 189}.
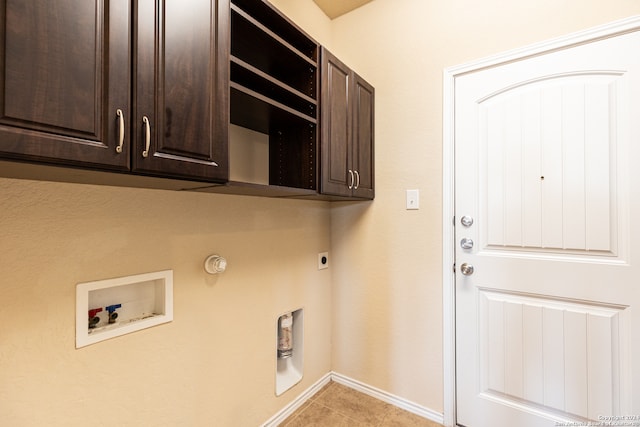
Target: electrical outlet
{"x": 323, "y": 260}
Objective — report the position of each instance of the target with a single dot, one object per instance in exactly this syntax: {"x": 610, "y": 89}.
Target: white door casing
{"x": 544, "y": 142}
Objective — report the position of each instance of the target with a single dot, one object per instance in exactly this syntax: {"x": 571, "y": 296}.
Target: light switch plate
{"x": 413, "y": 199}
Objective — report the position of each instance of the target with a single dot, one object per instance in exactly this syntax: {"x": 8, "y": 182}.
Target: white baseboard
{"x": 392, "y": 399}
{"x": 297, "y": 402}
{"x": 358, "y": 386}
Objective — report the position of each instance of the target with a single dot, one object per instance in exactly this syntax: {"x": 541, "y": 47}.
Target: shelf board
{"x": 255, "y": 47}
{"x": 255, "y": 111}
{"x": 311, "y": 61}
{"x": 272, "y": 80}
{"x": 262, "y": 12}
{"x": 250, "y": 78}
{"x": 251, "y": 189}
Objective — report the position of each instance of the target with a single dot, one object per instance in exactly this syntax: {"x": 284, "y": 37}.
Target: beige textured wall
{"x": 386, "y": 260}
{"x": 214, "y": 365}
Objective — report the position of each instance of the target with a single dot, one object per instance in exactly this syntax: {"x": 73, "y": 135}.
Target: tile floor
{"x": 336, "y": 405}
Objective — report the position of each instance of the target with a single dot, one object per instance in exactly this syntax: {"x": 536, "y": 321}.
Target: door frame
{"x": 448, "y": 178}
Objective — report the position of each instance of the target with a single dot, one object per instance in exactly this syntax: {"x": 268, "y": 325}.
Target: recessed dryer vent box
{"x": 289, "y": 369}
{"x": 113, "y": 307}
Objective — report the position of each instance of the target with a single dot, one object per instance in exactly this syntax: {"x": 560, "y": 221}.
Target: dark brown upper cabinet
{"x": 347, "y": 131}
{"x": 136, "y": 86}
{"x": 152, "y": 88}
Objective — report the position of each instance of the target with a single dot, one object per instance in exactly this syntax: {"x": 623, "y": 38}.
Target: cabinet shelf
{"x": 280, "y": 27}
{"x": 266, "y": 51}
{"x": 247, "y": 76}
{"x": 255, "y": 111}
{"x": 292, "y": 137}
{"x": 274, "y": 78}
{"x": 250, "y": 189}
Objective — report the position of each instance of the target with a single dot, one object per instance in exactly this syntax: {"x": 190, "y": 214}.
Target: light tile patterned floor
{"x": 336, "y": 405}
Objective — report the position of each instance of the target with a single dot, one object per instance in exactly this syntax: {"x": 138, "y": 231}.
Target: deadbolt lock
{"x": 466, "y": 243}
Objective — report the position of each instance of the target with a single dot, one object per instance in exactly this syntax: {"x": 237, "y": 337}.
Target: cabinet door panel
{"x": 59, "y": 86}
{"x": 363, "y": 137}
{"x": 336, "y": 126}
{"x": 181, "y": 87}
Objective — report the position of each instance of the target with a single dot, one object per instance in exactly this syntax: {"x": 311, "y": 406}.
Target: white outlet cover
{"x": 323, "y": 260}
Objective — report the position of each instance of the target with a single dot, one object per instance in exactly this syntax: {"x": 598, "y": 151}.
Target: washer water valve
{"x": 215, "y": 264}
{"x": 113, "y": 315}
{"x": 93, "y": 317}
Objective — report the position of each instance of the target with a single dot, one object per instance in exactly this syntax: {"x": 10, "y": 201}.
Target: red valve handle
{"x": 93, "y": 312}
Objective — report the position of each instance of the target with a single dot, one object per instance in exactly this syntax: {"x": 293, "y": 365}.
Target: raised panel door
{"x": 182, "y": 100}
{"x": 64, "y": 74}
{"x": 337, "y": 177}
{"x": 545, "y": 150}
{"x": 363, "y": 138}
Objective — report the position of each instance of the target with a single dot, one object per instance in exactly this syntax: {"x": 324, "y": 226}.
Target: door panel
{"x": 186, "y": 72}
{"x": 549, "y": 149}
{"x": 64, "y": 73}
{"x": 548, "y": 354}
{"x": 544, "y": 153}
{"x": 363, "y": 138}
{"x": 182, "y": 88}
{"x": 58, "y": 80}
{"x": 336, "y": 126}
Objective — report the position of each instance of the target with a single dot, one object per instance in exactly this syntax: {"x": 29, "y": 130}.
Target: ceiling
{"x": 335, "y": 8}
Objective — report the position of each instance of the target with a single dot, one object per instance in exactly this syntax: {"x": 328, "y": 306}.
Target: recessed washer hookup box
{"x": 113, "y": 307}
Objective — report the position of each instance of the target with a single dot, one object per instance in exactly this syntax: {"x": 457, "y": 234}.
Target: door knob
{"x": 466, "y": 243}
{"x": 466, "y": 269}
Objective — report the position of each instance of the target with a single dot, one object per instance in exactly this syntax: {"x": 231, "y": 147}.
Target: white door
{"x": 547, "y": 168}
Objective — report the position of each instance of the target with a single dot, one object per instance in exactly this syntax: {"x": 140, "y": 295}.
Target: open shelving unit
{"x": 274, "y": 91}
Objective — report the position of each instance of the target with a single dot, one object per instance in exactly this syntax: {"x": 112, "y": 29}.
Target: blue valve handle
{"x": 112, "y": 312}
{"x": 113, "y": 308}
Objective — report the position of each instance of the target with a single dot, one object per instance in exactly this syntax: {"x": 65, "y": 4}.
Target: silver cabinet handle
{"x": 357, "y": 180}
{"x": 466, "y": 269}
{"x": 352, "y": 180}
{"x": 147, "y": 136}
{"x": 120, "y": 130}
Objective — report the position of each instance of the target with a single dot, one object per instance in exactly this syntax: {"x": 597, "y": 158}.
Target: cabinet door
{"x": 181, "y": 88}
{"x": 347, "y": 124}
{"x": 64, "y": 72}
{"x": 337, "y": 176}
{"x": 362, "y": 99}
